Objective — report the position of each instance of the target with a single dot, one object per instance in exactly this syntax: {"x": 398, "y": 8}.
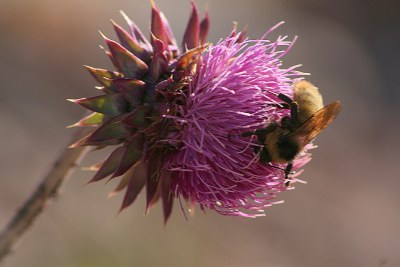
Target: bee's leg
{"x": 280, "y": 105}
{"x": 276, "y": 167}
{"x": 262, "y": 132}
{"x": 290, "y": 122}
{"x": 265, "y": 158}
{"x": 294, "y": 112}
{"x": 270, "y": 128}
{"x": 288, "y": 171}
{"x": 286, "y": 101}
{"x": 285, "y": 98}
{"x": 287, "y": 123}
{"x": 291, "y": 103}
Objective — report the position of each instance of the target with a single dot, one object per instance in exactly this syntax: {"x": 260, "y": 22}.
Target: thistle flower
{"x": 176, "y": 119}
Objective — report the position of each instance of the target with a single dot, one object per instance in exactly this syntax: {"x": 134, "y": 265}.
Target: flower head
{"x": 177, "y": 120}
{"x": 228, "y": 95}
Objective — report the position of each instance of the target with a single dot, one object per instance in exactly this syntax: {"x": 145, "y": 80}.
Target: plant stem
{"x": 46, "y": 190}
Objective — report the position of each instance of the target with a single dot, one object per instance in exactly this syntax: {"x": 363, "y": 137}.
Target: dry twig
{"x": 46, "y": 190}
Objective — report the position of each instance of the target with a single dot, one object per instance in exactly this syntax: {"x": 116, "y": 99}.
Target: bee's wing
{"x": 317, "y": 123}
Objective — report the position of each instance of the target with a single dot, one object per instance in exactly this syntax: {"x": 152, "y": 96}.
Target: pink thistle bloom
{"x": 228, "y": 95}
{"x": 177, "y": 120}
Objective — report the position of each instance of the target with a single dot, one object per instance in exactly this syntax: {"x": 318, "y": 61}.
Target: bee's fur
{"x": 308, "y": 117}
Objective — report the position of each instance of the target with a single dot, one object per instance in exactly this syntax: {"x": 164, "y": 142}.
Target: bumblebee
{"x": 282, "y": 142}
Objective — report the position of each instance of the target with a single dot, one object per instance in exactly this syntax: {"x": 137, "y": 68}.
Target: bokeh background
{"x": 347, "y": 215}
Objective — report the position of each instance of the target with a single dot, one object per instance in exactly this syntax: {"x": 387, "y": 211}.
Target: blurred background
{"x": 347, "y": 215}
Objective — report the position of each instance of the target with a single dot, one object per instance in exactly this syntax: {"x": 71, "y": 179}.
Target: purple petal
{"x": 167, "y": 196}
{"x": 111, "y": 104}
{"x": 109, "y": 165}
{"x": 102, "y": 76}
{"x": 159, "y": 63}
{"x": 131, "y": 89}
{"x": 192, "y": 32}
{"x": 136, "y": 34}
{"x": 136, "y": 183}
{"x": 127, "y": 63}
{"x": 158, "y": 26}
{"x": 133, "y": 153}
{"x": 130, "y": 43}
{"x": 204, "y": 28}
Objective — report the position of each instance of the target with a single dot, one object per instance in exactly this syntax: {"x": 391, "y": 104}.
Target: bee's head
{"x": 288, "y": 147}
